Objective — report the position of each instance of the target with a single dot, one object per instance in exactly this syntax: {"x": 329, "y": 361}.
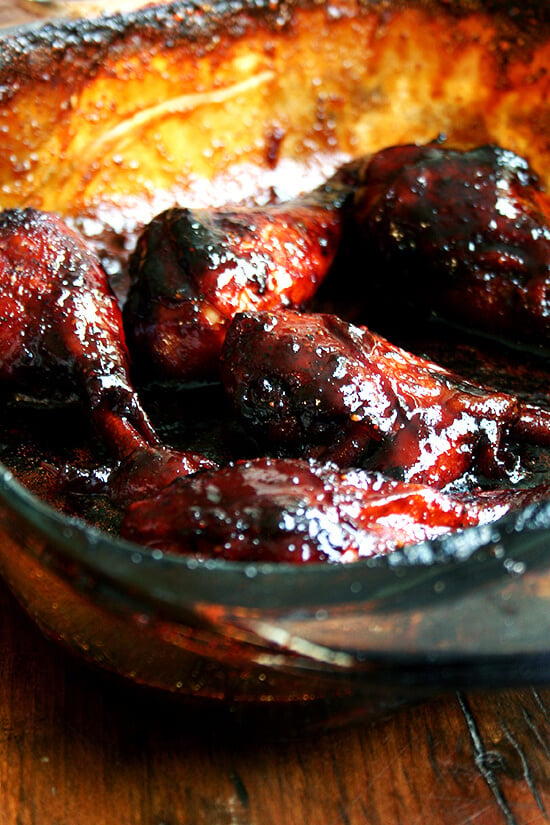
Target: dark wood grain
{"x": 79, "y": 747}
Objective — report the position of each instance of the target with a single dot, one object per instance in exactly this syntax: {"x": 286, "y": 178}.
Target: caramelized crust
{"x": 194, "y": 269}
{"x": 316, "y": 384}
{"x": 114, "y": 119}
{"x": 464, "y": 234}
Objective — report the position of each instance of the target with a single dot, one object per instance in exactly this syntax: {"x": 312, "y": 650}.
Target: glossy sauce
{"x": 434, "y": 406}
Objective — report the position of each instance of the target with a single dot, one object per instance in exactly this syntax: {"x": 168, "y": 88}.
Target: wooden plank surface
{"x": 79, "y": 747}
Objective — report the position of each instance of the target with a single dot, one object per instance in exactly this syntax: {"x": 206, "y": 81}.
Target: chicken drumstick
{"x": 299, "y": 511}
{"x": 323, "y": 387}
{"x": 193, "y": 269}
{"x": 61, "y": 330}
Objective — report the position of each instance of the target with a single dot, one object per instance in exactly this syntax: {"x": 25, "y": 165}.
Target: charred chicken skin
{"x": 193, "y": 269}
{"x": 299, "y": 511}
{"x": 323, "y": 387}
{"x": 61, "y": 328}
{"x": 463, "y": 234}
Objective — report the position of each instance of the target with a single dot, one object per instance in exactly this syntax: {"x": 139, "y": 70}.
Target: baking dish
{"x": 106, "y": 121}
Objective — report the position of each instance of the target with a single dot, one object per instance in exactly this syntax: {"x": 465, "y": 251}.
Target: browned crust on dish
{"x": 171, "y": 99}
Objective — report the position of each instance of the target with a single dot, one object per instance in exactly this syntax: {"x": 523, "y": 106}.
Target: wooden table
{"x": 79, "y": 747}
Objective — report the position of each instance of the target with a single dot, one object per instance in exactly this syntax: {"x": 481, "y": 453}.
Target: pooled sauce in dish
{"x": 318, "y": 380}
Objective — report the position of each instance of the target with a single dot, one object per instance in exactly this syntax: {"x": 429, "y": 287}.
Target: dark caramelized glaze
{"x": 291, "y": 510}
{"x": 194, "y": 269}
{"x": 316, "y": 384}
{"x": 61, "y": 328}
{"x": 464, "y": 234}
{"x": 288, "y": 510}
{"x": 310, "y": 384}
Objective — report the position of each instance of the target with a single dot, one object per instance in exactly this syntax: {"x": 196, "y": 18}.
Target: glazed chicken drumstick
{"x": 61, "y": 330}
{"x": 291, "y": 510}
{"x": 300, "y": 511}
{"x": 193, "y": 269}
{"x": 463, "y": 234}
{"x": 322, "y": 387}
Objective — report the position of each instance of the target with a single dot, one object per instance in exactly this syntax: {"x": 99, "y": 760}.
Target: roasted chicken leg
{"x": 193, "y": 269}
{"x": 61, "y": 331}
{"x": 463, "y": 234}
{"x": 298, "y": 511}
{"x": 322, "y": 387}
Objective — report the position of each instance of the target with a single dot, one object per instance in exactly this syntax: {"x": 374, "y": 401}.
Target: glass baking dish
{"x": 466, "y": 610}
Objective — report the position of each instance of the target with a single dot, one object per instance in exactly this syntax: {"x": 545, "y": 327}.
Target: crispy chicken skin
{"x": 193, "y": 269}
{"x": 322, "y": 387}
{"x": 463, "y": 234}
{"x": 61, "y": 329}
